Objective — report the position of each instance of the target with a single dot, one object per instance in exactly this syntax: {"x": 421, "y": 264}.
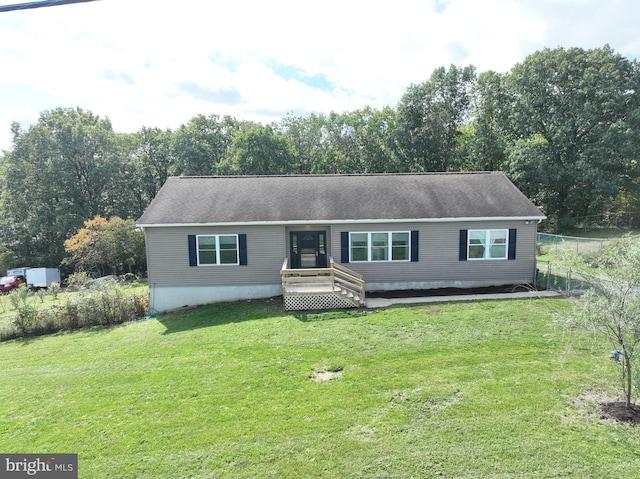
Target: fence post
{"x": 549, "y": 275}
{"x": 569, "y": 281}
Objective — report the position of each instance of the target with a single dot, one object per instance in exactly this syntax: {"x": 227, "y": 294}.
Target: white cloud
{"x": 160, "y": 62}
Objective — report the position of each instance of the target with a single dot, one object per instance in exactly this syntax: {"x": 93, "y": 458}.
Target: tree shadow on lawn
{"x": 218, "y": 314}
{"x": 328, "y": 314}
{"x": 96, "y": 329}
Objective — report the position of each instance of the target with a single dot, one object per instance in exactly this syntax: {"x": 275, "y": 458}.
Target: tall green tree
{"x": 155, "y": 160}
{"x": 260, "y": 150}
{"x": 429, "y": 118}
{"x": 366, "y": 139}
{"x": 485, "y": 145}
{"x": 340, "y": 149}
{"x": 378, "y": 128}
{"x": 572, "y": 125}
{"x": 59, "y": 171}
{"x": 201, "y": 145}
{"x": 361, "y": 141}
{"x": 305, "y": 135}
{"x": 128, "y": 193}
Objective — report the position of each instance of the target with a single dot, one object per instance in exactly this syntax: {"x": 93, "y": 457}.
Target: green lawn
{"x": 494, "y": 389}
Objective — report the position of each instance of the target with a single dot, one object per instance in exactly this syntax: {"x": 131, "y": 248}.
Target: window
{"x": 379, "y": 246}
{"x": 399, "y": 246}
{"x": 385, "y": 246}
{"x": 488, "y": 244}
{"x": 217, "y": 249}
{"x": 359, "y": 246}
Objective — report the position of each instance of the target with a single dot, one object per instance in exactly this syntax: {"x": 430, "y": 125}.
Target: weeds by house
{"x": 102, "y": 304}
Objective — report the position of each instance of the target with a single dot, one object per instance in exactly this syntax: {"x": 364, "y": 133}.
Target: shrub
{"x": 26, "y": 320}
{"x": 54, "y": 290}
{"x": 78, "y": 280}
{"x": 104, "y": 303}
{"x": 20, "y": 296}
{"x": 4, "y": 299}
{"x": 41, "y": 293}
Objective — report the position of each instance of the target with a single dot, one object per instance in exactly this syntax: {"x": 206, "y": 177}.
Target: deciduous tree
{"x": 61, "y": 169}
{"x": 103, "y": 247}
{"x": 260, "y": 150}
{"x": 612, "y": 309}
{"x": 201, "y": 145}
{"x": 429, "y": 117}
{"x": 485, "y": 147}
{"x": 571, "y": 122}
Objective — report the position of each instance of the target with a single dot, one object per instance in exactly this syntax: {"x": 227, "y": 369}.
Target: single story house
{"x": 324, "y": 240}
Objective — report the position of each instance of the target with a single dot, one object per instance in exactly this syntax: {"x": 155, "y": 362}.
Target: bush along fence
{"x": 101, "y": 305}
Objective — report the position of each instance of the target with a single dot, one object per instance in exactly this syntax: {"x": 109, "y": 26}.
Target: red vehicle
{"x": 8, "y": 283}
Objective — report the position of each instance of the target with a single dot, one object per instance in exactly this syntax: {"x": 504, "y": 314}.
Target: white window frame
{"x": 488, "y": 244}
{"x": 217, "y": 249}
{"x": 389, "y": 247}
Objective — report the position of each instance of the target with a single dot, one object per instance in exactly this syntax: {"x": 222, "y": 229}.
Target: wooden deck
{"x": 322, "y": 288}
{"x": 318, "y": 288}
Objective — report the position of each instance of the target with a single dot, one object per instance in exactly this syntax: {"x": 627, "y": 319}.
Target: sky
{"x": 158, "y": 63}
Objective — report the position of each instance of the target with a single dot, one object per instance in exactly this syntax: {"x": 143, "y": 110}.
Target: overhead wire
{"x": 39, "y": 4}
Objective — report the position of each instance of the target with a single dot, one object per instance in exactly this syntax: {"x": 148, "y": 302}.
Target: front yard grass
{"x": 492, "y": 389}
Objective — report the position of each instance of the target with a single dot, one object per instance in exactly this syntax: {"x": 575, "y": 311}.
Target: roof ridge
{"x": 337, "y": 175}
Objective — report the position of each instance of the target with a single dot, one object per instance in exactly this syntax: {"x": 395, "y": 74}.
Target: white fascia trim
{"x": 343, "y": 222}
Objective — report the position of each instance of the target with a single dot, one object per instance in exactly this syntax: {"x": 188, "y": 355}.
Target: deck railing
{"x": 336, "y": 279}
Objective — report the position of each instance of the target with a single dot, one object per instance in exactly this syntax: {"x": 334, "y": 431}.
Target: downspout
{"x": 535, "y": 257}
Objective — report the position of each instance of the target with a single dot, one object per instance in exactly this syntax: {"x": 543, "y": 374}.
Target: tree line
{"x": 563, "y": 125}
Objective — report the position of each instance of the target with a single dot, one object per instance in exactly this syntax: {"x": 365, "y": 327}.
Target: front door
{"x": 308, "y": 249}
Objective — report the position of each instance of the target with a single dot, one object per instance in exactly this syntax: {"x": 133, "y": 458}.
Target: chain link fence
{"x": 557, "y": 277}
{"x": 555, "y": 243}
{"x": 553, "y": 274}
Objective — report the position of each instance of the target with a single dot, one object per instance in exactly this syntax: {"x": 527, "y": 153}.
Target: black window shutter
{"x": 344, "y": 247}
{"x": 193, "y": 256}
{"x": 463, "y": 245}
{"x": 512, "y": 243}
{"x": 242, "y": 249}
{"x": 414, "y": 246}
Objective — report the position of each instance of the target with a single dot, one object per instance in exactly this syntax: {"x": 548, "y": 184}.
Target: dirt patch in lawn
{"x": 327, "y": 374}
{"x": 619, "y": 412}
{"x": 598, "y": 403}
{"x": 418, "y": 293}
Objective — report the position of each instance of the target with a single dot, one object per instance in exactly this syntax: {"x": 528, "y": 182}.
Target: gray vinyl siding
{"x": 267, "y": 246}
{"x": 168, "y": 257}
{"x": 438, "y": 259}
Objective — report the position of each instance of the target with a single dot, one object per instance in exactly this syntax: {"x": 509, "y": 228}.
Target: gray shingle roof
{"x": 327, "y": 198}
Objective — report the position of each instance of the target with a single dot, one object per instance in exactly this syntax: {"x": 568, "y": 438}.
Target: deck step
{"x": 355, "y": 298}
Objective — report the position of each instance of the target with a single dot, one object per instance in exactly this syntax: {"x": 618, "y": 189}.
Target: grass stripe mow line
{"x": 486, "y": 389}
